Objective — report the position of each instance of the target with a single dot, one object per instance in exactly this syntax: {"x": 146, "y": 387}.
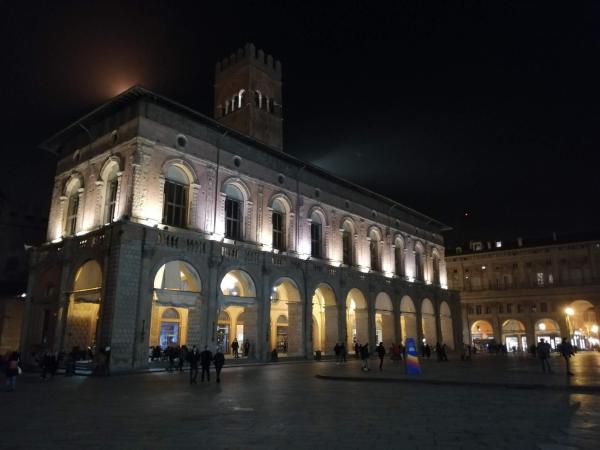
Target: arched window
{"x": 278, "y": 220}
{"x": 419, "y": 273}
{"x": 399, "y": 257}
{"x": 175, "y": 206}
{"x": 110, "y": 196}
{"x": 72, "y": 193}
{"x": 436, "y": 268}
{"x": 374, "y": 250}
{"x": 347, "y": 236}
{"x": 233, "y": 212}
{"x": 242, "y": 97}
{"x": 316, "y": 233}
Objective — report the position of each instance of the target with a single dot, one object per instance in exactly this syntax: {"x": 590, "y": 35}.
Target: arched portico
{"x": 286, "y": 318}
{"x": 325, "y": 316}
{"x": 177, "y": 289}
{"x": 237, "y": 298}
{"x": 84, "y": 307}
{"x": 384, "y": 319}
{"x": 514, "y": 335}
{"x": 357, "y": 319}
{"x": 428, "y": 322}
{"x": 446, "y": 325}
{"x": 408, "y": 319}
{"x": 482, "y": 334}
{"x": 548, "y": 330}
{"x": 580, "y": 318}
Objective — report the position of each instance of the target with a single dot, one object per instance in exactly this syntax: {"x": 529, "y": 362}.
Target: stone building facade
{"x": 168, "y": 227}
{"x": 516, "y": 293}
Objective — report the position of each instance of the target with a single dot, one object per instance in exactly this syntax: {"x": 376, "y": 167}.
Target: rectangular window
{"x": 278, "y": 230}
{"x": 470, "y": 309}
{"x": 478, "y": 309}
{"x": 347, "y": 247}
{"x": 501, "y": 309}
{"x": 72, "y": 214}
{"x": 509, "y": 308}
{"x": 232, "y": 219}
{"x": 543, "y": 307}
{"x": 373, "y": 247}
{"x": 175, "y": 206}
{"x": 533, "y": 308}
{"x": 315, "y": 240}
{"x": 111, "y": 200}
{"x": 488, "y": 310}
{"x": 540, "y": 279}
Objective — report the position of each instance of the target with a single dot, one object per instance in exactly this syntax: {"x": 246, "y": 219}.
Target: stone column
{"x": 194, "y": 325}
{"x": 295, "y": 347}
{"x": 397, "y": 328}
{"x": 251, "y": 331}
{"x": 362, "y": 326}
{"x": 388, "y": 328}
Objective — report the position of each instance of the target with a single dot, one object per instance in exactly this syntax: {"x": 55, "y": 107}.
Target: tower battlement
{"x": 249, "y": 54}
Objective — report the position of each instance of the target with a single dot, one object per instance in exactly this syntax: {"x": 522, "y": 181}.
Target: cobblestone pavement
{"x": 286, "y": 406}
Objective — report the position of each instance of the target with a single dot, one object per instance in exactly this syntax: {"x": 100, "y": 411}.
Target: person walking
{"x": 183, "y": 352}
{"x": 356, "y": 350}
{"x": 381, "y": 354}
{"x": 193, "y": 358}
{"x": 219, "y": 362}
{"x": 205, "y": 360}
{"x": 543, "y": 352}
{"x": 13, "y": 369}
{"x": 235, "y": 347}
{"x": 343, "y": 352}
{"x": 364, "y": 355}
{"x": 336, "y": 350}
{"x": 566, "y": 350}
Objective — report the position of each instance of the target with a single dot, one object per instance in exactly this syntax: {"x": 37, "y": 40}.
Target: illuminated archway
{"x": 238, "y": 300}
{"x": 428, "y": 322}
{"x": 581, "y": 319}
{"x": 325, "y": 319}
{"x": 514, "y": 335}
{"x": 446, "y": 325}
{"x": 482, "y": 333}
{"x": 408, "y": 319}
{"x": 384, "y": 319}
{"x": 548, "y": 330}
{"x": 286, "y": 335}
{"x": 177, "y": 289}
{"x": 84, "y": 307}
{"x": 357, "y": 319}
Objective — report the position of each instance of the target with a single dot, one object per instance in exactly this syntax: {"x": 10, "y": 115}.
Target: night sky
{"x": 486, "y": 107}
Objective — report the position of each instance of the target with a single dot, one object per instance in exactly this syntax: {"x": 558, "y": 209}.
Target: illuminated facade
{"x": 168, "y": 227}
{"x": 517, "y": 293}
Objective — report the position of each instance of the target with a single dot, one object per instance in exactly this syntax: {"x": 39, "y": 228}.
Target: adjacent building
{"x": 168, "y": 227}
{"x": 519, "y": 292}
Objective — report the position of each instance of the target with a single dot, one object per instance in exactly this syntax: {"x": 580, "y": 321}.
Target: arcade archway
{"x": 237, "y": 300}
{"x": 428, "y": 322}
{"x": 482, "y": 334}
{"x": 177, "y": 290}
{"x": 548, "y": 330}
{"x": 581, "y": 323}
{"x": 384, "y": 319}
{"x": 84, "y": 307}
{"x": 408, "y": 319}
{"x": 514, "y": 335}
{"x": 357, "y": 319}
{"x": 325, "y": 319}
{"x": 286, "y": 318}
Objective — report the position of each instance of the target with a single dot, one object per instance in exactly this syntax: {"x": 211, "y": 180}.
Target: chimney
{"x": 520, "y": 241}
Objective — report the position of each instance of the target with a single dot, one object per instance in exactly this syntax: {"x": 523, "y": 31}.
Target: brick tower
{"x": 248, "y": 95}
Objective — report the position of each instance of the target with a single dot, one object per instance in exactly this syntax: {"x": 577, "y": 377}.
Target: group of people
{"x": 235, "y": 348}
{"x": 543, "y": 351}
{"x": 204, "y": 358}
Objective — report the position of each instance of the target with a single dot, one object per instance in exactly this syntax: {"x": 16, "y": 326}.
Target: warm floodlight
{"x": 569, "y": 311}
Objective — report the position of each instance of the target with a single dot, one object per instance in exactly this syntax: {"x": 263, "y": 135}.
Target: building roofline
{"x": 139, "y": 92}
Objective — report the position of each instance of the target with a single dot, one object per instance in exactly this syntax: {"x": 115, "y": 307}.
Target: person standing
{"x": 543, "y": 352}
{"x": 356, "y": 349}
{"x": 381, "y": 354}
{"x": 235, "y": 346}
{"x": 205, "y": 360}
{"x": 364, "y": 355}
{"x": 246, "y": 348}
{"x": 566, "y": 350}
{"x": 13, "y": 368}
{"x": 183, "y": 351}
{"x": 193, "y": 357}
{"x": 343, "y": 352}
{"x": 219, "y": 361}
{"x": 336, "y": 350}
